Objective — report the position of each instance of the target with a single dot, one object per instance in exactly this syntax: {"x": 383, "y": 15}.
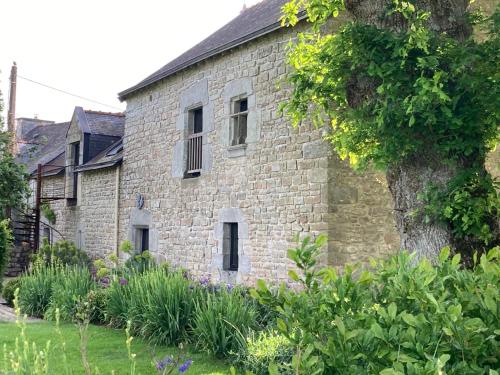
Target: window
{"x": 194, "y": 142}
{"x": 72, "y": 175}
{"x": 142, "y": 240}
{"x": 238, "y": 127}
{"x": 46, "y": 234}
{"x": 230, "y": 247}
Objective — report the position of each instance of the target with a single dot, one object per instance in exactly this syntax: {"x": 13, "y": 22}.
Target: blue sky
{"x": 96, "y": 48}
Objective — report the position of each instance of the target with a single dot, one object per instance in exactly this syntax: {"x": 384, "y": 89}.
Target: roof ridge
{"x": 118, "y": 114}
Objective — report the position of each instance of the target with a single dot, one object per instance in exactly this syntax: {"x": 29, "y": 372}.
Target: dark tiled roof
{"x": 43, "y": 144}
{"x": 110, "y": 157}
{"x": 102, "y": 123}
{"x": 253, "y": 22}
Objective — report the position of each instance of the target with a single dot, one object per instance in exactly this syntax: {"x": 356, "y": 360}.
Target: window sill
{"x": 237, "y": 150}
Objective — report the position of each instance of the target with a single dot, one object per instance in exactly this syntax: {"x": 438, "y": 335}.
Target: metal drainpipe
{"x": 117, "y": 209}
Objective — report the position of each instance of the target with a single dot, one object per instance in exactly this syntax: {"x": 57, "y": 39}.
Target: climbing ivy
{"x": 391, "y": 96}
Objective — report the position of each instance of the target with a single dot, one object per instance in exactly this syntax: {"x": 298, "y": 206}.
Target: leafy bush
{"x": 137, "y": 262}
{"x": 402, "y": 318}
{"x": 63, "y": 252}
{"x": 97, "y": 300}
{"x": 5, "y": 243}
{"x": 262, "y": 350}
{"x": 9, "y": 289}
{"x": 73, "y": 286}
{"x": 36, "y": 288}
{"x": 222, "y": 322}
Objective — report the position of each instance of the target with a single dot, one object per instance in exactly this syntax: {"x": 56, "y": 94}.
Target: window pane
{"x": 198, "y": 120}
{"x": 242, "y": 129}
{"x": 243, "y": 105}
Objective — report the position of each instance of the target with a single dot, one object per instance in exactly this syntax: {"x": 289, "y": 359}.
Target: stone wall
{"x": 97, "y": 211}
{"x": 283, "y": 183}
{"x": 91, "y": 223}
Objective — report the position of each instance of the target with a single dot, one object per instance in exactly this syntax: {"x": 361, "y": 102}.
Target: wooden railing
{"x": 194, "y": 153}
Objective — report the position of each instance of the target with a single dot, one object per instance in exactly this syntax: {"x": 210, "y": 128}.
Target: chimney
{"x": 11, "y": 115}
{"x": 244, "y": 7}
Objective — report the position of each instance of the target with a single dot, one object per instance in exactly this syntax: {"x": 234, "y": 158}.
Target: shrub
{"x": 35, "y": 291}
{"x": 9, "y": 289}
{"x": 403, "y": 318}
{"x": 222, "y": 322}
{"x": 73, "y": 286}
{"x": 5, "y": 243}
{"x": 262, "y": 350}
{"x": 63, "y": 252}
{"x": 97, "y": 300}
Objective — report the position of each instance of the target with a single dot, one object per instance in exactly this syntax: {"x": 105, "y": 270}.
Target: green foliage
{"x": 137, "y": 262}
{"x": 73, "y": 286}
{"x": 5, "y": 244}
{"x": 159, "y": 305}
{"x": 222, "y": 322}
{"x": 468, "y": 204}
{"x": 62, "y": 252}
{"x": 9, "y": 290}
{"x": 403, "y": 96}
{"x": 402, "y": 318}
{"x": 49, "y": 214}
{"x": 14, "y": 187}
{"x": 262, "y": 350}
{"x": 36, "y": 288}
{"x": 167, "y": 308}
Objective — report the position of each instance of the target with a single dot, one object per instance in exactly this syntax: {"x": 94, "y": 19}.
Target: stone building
{"x": 224, "y": 182}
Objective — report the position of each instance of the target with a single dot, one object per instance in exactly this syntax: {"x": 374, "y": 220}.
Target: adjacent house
{"x": 206, "y": 173}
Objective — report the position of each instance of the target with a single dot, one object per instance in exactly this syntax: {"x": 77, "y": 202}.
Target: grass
{"x": 106, "y": 350}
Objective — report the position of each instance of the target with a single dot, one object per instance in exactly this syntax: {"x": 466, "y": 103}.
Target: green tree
{"x": 406, "y": 87}
{"x": 13, "y": 177}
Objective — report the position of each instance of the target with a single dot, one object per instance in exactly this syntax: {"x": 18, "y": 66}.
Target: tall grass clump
{"x": 36, "y": 288}
{"x": 73, "y": 286}
{"x": 118, "y": 303}
{"x": 222, "y": 322}
{"x": 169, "y": 306}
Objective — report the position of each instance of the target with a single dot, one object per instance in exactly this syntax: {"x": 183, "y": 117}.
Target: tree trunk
{"x": 410, "y": 178}
{"x": 406, "y": 181}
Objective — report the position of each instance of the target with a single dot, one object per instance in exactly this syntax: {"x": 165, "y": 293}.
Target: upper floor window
{"x": 194, "y": 143}
{"x": 72, "y": 184}
{"x": 238, "y": 124}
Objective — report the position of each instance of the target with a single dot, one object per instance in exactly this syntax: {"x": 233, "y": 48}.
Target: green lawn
{"x": 107, "y": 350}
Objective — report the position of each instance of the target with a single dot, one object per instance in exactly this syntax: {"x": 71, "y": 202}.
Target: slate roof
{"x": 102, "y": 123}
{"x": 252, "y": 23}
{"x": 43, "y": 144}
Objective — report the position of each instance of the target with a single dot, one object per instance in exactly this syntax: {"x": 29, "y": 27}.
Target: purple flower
{"x": 123, "y": 281}
{"x": 104, "y": 281}
{"x": 205, "y": 280}
{"x": 160, "y": 365}
{"x": 184, "y": 367}
{"x": 230, "y": 287}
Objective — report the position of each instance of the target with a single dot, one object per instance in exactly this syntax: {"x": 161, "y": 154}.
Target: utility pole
{"x": 11, "y": 118}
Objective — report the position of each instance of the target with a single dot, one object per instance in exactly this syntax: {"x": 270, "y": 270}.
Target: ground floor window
{"x": 230, "y": 247}
{"x": 142, "y": 239}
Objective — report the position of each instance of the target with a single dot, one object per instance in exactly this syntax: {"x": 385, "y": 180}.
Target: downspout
{"x": 117, "y": 209}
